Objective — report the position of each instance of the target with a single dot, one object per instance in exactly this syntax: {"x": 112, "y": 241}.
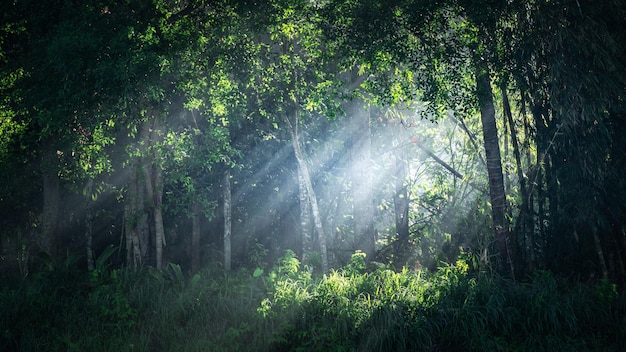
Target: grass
{"x": 286, "y": 309}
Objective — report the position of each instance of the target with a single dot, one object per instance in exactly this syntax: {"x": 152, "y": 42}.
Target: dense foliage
{"x": 432, "y": 169}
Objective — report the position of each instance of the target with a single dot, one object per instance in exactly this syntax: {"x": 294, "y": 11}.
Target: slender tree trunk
{"x": 524, "y": 207}
{"x": 304, "y": 172}
{"x": 153, "y": 186}
{"x": 471, "y": 136}
{"x": 439, "y": 161}
{"x": 494, "y": 165}
{"x": 89, "y": 224}
{"x": 401, "y": 207}
{"x": 539, "y": 180}
{"x": 505, "y": 168}
{"x": 556, "y": 240}
{"x": 227, "y": 220}
{"x": 135, "y": 221}
{"x": 159, "y": 230}
{"x": 305, "y": 216}
{"x": 148, "y": 189}
{"x": 127, "y": 233}
{"x": 540, "y": 218}
{"x": 195, "y": 237}
{"x": 130, "y": 218}
{"x": 530, "y": 199}
{"x": 141, "y": 217}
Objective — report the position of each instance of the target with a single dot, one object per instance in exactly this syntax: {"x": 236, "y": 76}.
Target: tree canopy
{"x": 414, "y": 131}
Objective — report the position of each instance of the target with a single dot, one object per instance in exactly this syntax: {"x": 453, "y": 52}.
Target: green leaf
{"x": 257, "y": 272}
{"x": 104, "y": 256}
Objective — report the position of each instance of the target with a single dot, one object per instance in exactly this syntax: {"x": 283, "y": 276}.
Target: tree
{"x": 62, "y": 99}
{"x": 441, "y": 40}
{"x": 155, "y": 102}
{"x": 566, "y": 65}
{"x": 184, "y": 133}
{"x": 294, "y": 82}
{"x": 494, "y": 167}
{"x": 227, "y": 221}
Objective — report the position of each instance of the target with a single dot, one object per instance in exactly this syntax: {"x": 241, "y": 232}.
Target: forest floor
{"x": 285, "y": 308}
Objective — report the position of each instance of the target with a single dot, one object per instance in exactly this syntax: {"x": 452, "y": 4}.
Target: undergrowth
{"x": 355, "y": 308}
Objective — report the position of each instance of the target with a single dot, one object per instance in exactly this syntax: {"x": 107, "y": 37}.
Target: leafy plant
{"x": 257, "y": 255}
{"x": 356, "y": 265}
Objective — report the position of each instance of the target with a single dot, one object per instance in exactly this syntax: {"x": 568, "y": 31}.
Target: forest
{"x": 313, "y": 175}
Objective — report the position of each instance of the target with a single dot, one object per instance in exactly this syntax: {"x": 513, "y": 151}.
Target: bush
{"x": 352, "y": 310}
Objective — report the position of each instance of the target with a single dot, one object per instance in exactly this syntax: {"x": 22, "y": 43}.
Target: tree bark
{"x": 525, "y": 215}
{"x": 494, "y": 165}
{"x": 157, "y": 204}
{"x": 141, "y": 217}
{"x": 227, "y": 220}
{"x": 305, "y": 215}
{"x": 133, "y": 213}
{"x": 539, "y": 177}
{"x": 153, "y": 185}
{"x": 310, "y": 194}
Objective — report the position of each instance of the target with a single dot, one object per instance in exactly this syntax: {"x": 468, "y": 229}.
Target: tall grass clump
{"x": 205, "y": 311}
{"x": 354, "y": 309}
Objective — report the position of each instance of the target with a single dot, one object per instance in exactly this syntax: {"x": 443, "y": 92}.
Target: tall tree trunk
{"x": 557, "y": 244}
{"x": 153, "y": 186}
{"x": 494, "y": 165}
{"x": 142, "y": 217}
{"x": 362, "y": 180}
{"x": 525, "y": 219}
{"x": 133, "y": 214}
{"x": 127, "y": 233}
{"x": 195, "y": 237}
{"x": 401, "y": 208}
{"x": 157, "y": 205}
{"x": 305, "y": 215}
{"x": 227, "y": 220}
{"x": 540, "y": 176}
{"x": 146, "y": 170}
{"x": 530, "y": 198}
{"x": 505, "y": 168}
{"x": 308, "y": 185}
{"x": 540, "y": 218}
